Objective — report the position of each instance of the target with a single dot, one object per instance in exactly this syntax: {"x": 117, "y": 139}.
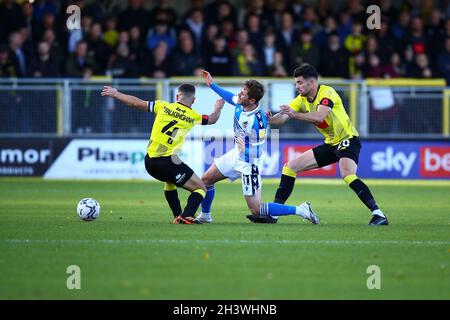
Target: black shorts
{"x": 326, "y": 154}
{"x": 168, "y": 169}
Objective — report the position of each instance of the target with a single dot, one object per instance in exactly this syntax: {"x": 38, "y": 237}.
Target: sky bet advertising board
{"x": 385, "y": 159}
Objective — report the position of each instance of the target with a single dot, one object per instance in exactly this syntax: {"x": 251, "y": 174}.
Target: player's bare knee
{"x": 206, "y": 179}
{"x": 201, "y": 186}
{"x": 291, "y": 166}
{"x": 346, "y": 172}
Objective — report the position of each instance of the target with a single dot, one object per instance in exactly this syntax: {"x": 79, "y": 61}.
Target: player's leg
{"x": 317, "y": 157}
{"x": 209, "y": 178}
{"x": 222, "y": 168}
{"x": 198, "y": 191}
{"x": 171, "y": 194}
{"x": 157, "y": 168}
{"x": 274, "y": 210}
{"x": 348, "y": 153}
{"x": 251, "y": 188}
{"x": 269, "y": 212}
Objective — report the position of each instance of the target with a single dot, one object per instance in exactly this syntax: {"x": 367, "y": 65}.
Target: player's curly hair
{"x": 255, "y": 90}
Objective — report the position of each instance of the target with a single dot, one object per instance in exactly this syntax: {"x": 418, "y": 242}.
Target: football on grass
{"x": 88, "y": 209}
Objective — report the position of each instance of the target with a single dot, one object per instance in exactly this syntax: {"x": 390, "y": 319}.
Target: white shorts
{"x": 232, "y": 168}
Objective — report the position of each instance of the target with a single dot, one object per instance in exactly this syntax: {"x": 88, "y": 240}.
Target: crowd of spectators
{"x": 259, "y": 38}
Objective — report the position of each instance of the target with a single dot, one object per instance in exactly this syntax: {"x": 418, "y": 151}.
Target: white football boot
{"x": 204, "y": 218}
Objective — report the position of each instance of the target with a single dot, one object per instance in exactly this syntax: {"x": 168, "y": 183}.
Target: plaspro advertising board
{"x": 111, "y": 159}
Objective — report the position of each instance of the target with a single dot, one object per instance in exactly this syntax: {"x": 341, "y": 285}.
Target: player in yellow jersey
{"x": 322, "y": 106}
{"x": 172, "y": 123}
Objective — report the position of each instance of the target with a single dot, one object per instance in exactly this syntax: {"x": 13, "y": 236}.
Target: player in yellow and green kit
{"x": 322, "y": 106}
{"x": 172, "y": 123}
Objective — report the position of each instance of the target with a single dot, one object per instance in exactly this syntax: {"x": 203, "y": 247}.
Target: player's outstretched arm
{"x": 213, "y": 117}
{"x": 277, "y": 119}
{"x": 131, "y": 101}
{"x": 316, "y": 117}
{"x": 226, "y": 95}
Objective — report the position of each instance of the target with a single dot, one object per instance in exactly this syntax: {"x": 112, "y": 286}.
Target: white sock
{"x": 301, "y": 210}
{"x": 378, "y": 213}
{"x": 206, "y": 215}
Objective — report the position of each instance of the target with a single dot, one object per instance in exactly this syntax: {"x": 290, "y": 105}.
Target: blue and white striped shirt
{"x": 251, "y": 126}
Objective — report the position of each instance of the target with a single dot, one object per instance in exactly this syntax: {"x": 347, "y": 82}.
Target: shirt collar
{"x": 249, "y": 113}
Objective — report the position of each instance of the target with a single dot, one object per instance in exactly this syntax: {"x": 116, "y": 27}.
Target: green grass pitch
{"x": 132, "y": 251}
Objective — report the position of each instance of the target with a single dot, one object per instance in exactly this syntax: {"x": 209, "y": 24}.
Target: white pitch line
{"x": 226, "y": 241}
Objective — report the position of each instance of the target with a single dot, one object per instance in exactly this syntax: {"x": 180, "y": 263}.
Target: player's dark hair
{"x": 255, "y": 90}
{"x": 306, "y": 71}
{"x": 187, "y": 89}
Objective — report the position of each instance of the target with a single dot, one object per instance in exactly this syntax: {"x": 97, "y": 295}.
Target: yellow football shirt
{"x": 172, "y": 123}
{"x": 337, "y": 125}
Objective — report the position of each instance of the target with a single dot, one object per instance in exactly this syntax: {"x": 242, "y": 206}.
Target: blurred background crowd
{"x": 135, "y": 38}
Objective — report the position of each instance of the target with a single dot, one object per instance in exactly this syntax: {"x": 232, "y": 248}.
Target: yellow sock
{"x": 289, "y": 172}
{"x": 201, "y": 192}
{"x": 169, "y": 186}
{"x": 350, "y": 178}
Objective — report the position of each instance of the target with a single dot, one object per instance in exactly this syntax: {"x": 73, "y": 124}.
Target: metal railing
{"x": 397, "y": 108}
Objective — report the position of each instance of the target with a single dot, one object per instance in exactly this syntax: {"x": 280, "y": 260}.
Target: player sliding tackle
{"x": 244, "y": 160}
{"x": 172, "y": 123}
